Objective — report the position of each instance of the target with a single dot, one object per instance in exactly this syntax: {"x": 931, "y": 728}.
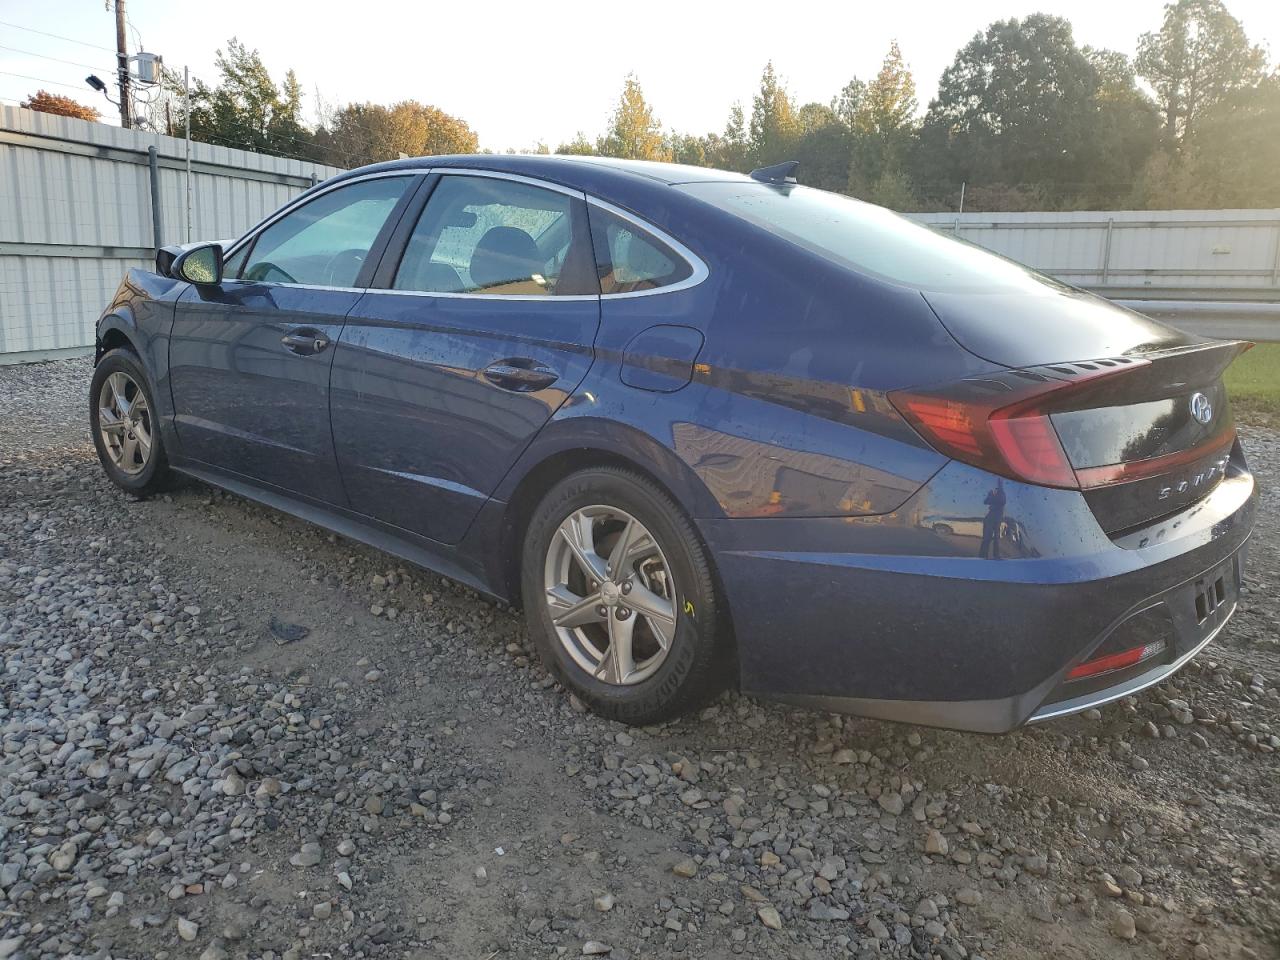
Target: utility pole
{"x": 122, "y": 65}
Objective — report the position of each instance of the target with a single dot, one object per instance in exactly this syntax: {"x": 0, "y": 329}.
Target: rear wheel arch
{"x": 535, "y": 484}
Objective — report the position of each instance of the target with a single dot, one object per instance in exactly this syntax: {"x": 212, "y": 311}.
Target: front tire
{"x": 620, "y": 597}
{"x": 125, "y": 426}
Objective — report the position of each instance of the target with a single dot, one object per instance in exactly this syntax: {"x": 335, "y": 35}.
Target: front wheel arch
{"x": 115, "y": 333}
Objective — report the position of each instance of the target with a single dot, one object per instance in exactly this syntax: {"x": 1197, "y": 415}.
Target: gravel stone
{"x": 167, "y": 764}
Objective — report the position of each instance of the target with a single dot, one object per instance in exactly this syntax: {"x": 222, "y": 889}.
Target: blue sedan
{"x": 706, "y": 429}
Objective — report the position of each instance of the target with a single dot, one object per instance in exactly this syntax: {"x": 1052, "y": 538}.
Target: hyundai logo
{"x": 1201, "y": 408}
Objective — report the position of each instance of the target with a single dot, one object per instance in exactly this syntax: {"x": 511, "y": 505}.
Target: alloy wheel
{"x": 124, "y": 422}
{"x": 610, "y": 595}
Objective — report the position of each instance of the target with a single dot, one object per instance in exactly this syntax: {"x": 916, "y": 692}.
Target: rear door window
{"x": 489, "y": 235}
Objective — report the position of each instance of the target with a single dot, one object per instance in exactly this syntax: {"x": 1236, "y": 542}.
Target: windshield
{"x": 867, "y": 238}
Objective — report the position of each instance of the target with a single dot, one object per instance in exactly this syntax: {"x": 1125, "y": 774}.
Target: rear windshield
{"x": 868, "y": 238}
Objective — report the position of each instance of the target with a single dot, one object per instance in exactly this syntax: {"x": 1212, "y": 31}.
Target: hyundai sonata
{"x": 705, "y": 428}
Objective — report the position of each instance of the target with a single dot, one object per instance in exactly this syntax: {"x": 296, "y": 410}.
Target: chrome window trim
{"x": 294, "y": 286}
{"x": 548, "y": 298}
{"x": 306, "y": 197}
{"x": 699, "y": 271}
{"x": 516, "y": 177}
{"x": 695, "y": 262}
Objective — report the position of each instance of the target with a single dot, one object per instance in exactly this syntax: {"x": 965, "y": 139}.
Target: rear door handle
{"x": 520, "y": 374}
{"x": 305, "y": 341}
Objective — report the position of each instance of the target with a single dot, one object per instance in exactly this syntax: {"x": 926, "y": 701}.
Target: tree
{"x": 1198, "y": 57}
{"x": 363, "y": 133}
{"x": 1127, "y": 129}
{"x": 1230, "y": 158}
{"x": 683, "y": 148}
{"x": 883, "y": 127}
{"x": 1015, "y": 107}
{"x": 46, "y": 102}
{"x": 847, "y": 104}
{"x": 889, "y": 103}
{"x": 774, "y": 125}
{"x": 246, "y": 109}
{"x": 822, "y": 148}
{"x": 578, "y": 146}
{"x": 728, "y": 151}
{"x": 634, "y": 132}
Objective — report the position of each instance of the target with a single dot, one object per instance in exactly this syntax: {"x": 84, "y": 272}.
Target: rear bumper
{"x": 904, "y": 618}
{"x": 1128, "y": 687}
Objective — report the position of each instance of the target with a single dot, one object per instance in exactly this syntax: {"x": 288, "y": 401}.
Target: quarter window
{"x": 325, "y": 241}
{"x": 495, "y": 236}
{"x": 630, "y": 259}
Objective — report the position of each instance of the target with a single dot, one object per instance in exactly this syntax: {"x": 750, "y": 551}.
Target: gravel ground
{"x": 406, "y": 781}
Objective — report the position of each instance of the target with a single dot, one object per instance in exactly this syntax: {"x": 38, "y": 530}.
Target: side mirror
{"x": 202, "y": 265}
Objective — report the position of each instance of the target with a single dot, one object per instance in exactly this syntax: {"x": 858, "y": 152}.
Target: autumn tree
{"x": 634, "y": 132}
{"x": 774, "y": 124}
{"x": 889, "y": 103}
{"x": 1198, "y": 57}
{"x": 883, "y": 126}
{"x": 46, "y": 102}
{"x": 361, "y": 133}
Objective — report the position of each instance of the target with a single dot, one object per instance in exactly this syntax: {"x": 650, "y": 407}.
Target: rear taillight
{"x": 1001, "y": 423}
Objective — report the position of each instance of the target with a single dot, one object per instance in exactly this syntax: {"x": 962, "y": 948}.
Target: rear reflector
{"x": 1115, "y": 661}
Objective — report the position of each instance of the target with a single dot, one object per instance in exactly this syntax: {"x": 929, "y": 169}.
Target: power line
{"x": 55, "y": 36}
{"x": 55, "y": 83}
{"x": 45, "y": 56}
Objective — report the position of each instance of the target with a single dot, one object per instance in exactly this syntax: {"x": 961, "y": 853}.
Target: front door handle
{"x": 304, "y": 341}
{"x": 520, "y": 374}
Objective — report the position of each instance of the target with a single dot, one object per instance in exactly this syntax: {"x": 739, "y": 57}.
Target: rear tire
{"x": 125, "y": 425}
{"x": 641, "y": 643}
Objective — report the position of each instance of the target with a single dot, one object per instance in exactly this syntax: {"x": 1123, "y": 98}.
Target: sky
{"x": 521, "y": 73}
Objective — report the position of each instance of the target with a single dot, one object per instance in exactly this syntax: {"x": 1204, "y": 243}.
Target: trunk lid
{"x": 1047, "y": 322}
{"x": 1139, "y": 408}
{"x": 1154, "y": 438}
